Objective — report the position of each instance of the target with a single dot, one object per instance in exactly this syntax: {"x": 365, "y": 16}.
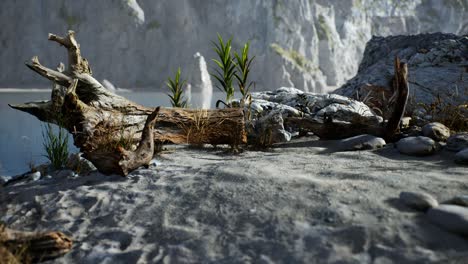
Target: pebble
{"x": 417, "y": 146}
{"x": 405, "y": 122}
{"x": 418, "y": 201}
{"x": 65, "y": 174}
{"x": 452, "y": 218}
{"x": 361, "y": 142}
{"x": 462, "y": 157}
{"x": 35, "y": 176}
{"x": 457, "y": 142}
{"x": 461, "y": 200}
{"x": 436, "y": 131}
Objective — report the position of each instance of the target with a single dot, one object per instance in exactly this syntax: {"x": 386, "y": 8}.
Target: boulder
{"x": 269, "y": 129}
{"x": 436, "y": 131}
{"x": 452, "y": 218}
{"x": 435, "y": 63}
{"x": 417, "y": 146}
{"x": 462, "y": 157}
{"x": 418, "y": 201}
{"x": 457, "y": 142}
{"x": 361, "y": 142}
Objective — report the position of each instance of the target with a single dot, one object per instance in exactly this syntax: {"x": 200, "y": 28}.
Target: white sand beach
{"x": 300, "y": 202}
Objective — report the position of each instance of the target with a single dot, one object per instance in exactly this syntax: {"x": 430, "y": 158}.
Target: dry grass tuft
{"x": 453, "y": 115}
{"x": 196, "y": 130}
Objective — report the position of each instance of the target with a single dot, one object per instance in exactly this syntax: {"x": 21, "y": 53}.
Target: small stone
{"x": 457, "y": 142}
{"x": 416, "y": 146}
{"x": 462, "y": 157}
{"x": 405, "y": 122}
{"x": 35, "y": 176}
{"x": 3, "y": 180}
{"x": 64, "y": 174}
{"x": 418, "y": 201}
{"x": 361, "y": 142}
{"x": 461, "y": 200}
{"x": 452, "y": 218}
{"x": 436, "y": 131}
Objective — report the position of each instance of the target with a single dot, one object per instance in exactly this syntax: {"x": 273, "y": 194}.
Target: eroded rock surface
{"x": 310, "y": 45}
{"x": 293, "y": 103}
{"x": 436, "y": 63}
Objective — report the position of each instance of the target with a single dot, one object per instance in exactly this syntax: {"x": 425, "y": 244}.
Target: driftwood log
{"x": 26, "y": 247}
{"x": 328, "y": 129}
{"x": 108, "y": 128}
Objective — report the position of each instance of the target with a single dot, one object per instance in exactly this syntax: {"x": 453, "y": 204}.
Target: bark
{"x": 108, "y": 128}
{"x": 400, "y": 86}
{"x": 25, "y": 247}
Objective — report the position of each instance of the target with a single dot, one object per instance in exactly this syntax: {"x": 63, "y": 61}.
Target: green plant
{"x": 227, "y": 68}
{"x": 55, "y": 146}
{"x": 176, "y": 88}
{"x": 243, "y": 63}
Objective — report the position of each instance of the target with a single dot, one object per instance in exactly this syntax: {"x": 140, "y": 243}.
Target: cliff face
{"x": 311, "y": 45}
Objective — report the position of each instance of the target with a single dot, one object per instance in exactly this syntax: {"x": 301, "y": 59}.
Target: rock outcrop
{"x": 310, "y": 45}
{"x": 436, "y": 62}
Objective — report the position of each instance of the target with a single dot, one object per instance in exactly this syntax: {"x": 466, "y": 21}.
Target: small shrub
{"x": 176, "y": 88}
{"x": 226, "y": 71}
{"x": 55, "y": 146}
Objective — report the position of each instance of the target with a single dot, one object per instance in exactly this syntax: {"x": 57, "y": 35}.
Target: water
{"x": 21, "y": 133}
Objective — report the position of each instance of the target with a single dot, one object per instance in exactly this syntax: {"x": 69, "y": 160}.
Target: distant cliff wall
{"x": 311, "y": 45}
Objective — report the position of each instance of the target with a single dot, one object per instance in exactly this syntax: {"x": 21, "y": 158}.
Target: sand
{"x": 301, "y": 202}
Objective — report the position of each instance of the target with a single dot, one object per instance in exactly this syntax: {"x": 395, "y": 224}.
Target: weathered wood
{"x": 26, "y": 247}
{"x": 401, "y": 88}
{"x": 100, "y": 120}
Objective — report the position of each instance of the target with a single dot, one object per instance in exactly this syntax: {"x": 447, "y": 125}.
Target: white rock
{"x": 452, "y": 218}
{"x": 35, "y": 176}
{"x": 201, "y": 87}
{"x": 435, "y": 62}
{"x": 462, "y": 157}
{"x": 405, "y": 122}
{"x": 457, "y": 142}
{"x": 417, "y": 200}
{"x": 416, "y": 146}
{"x": 436, "y": 131}
{"x": 361, "y": 142}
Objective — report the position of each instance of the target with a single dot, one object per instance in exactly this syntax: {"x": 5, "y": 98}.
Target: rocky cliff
{"x": 311, "y": 45}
